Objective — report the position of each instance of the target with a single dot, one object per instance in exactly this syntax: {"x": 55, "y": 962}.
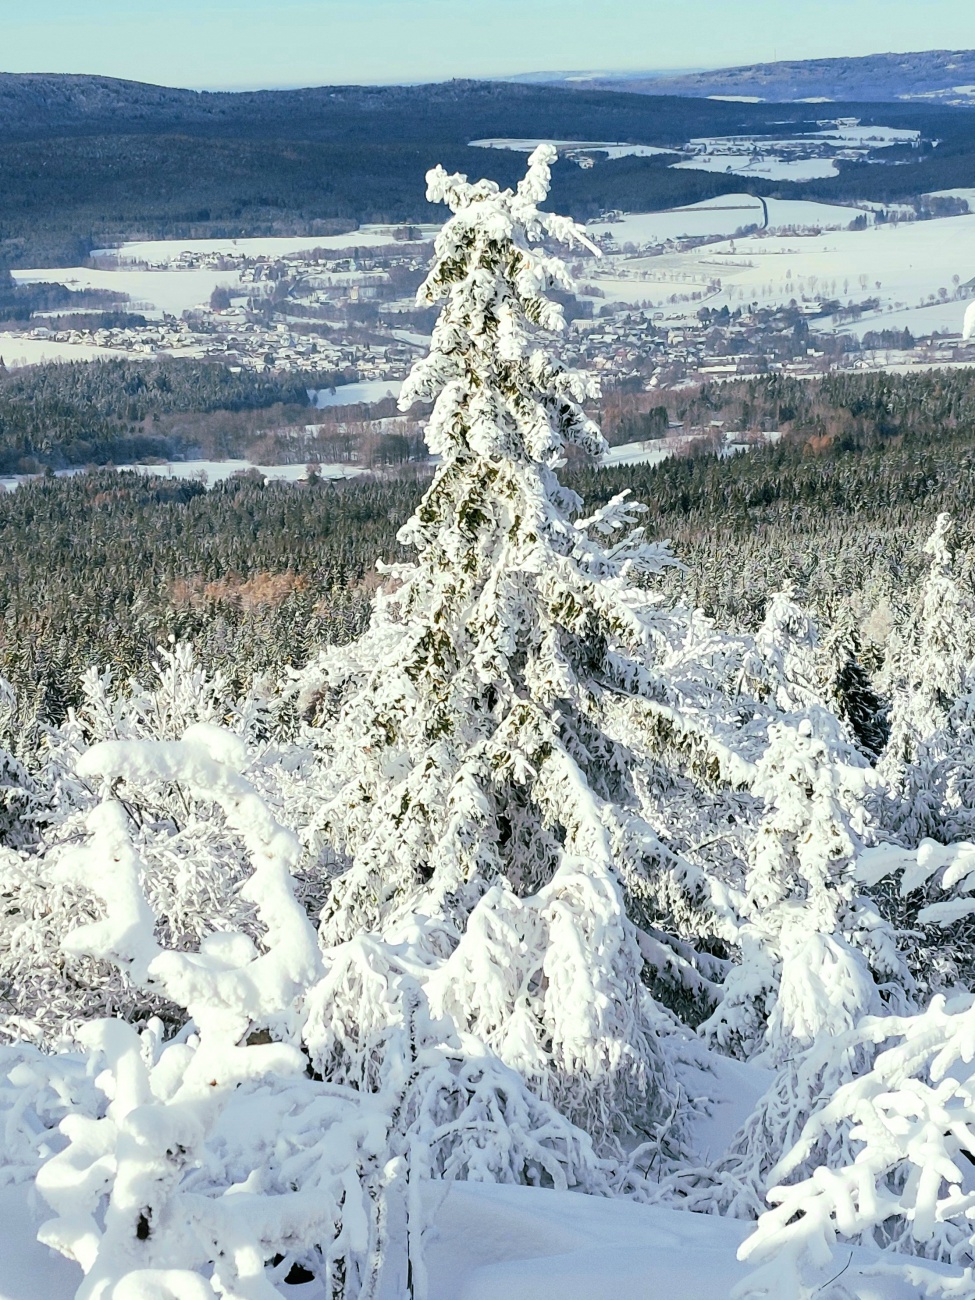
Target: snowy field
{"x": 934, "y": 318}
{"x": 611, "y": 148}
{"x": 491, "y": 1242}
{"x": 164, "y": 252}
{"x": 18, "y": 350}
{"x": 768, "y": 166}
{"x": 207, "y": 471}
{"x": 723, "y": 216}
{"x": 901, "y": 265}
{"x": 366, "y": 390}
{"x": 651, "y": 452}
{"x": 150, "y": 292}
{"x": 216, "y": 471}
{"x": 962, "y": 192}
{"x": 795, "y": 158}
{"x": 149, "y": 274}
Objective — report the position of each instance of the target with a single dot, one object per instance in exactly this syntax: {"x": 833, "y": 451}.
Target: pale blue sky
{"x": 245, "y": 43}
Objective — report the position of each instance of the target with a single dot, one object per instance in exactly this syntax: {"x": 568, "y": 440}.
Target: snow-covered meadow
{"x": 165, "y": 276}
{"x": 802, "y": 157}
{"x": 912, "y": 268}
{"x": 366, "y": 390}
{"x": 151, "y": 292}
{"x": 576, "y": 149}
{"x": 163, "y": 253}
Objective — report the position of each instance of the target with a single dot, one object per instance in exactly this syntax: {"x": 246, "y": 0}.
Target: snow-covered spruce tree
{"x": 929, "y": 667}
{"x": 848, "y": 689}
{"x": 18, "y": 798}
{"x": 815, "y": 958}
{"x": 887, "y": 1160}
{"x": 812, "y": 950}
{"x": 786, "y": 645}
{"x": 482, "y": 733}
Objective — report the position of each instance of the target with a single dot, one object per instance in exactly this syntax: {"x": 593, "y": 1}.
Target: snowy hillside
{"x": 947, "y": 76}
{"x": 544, "y": 940}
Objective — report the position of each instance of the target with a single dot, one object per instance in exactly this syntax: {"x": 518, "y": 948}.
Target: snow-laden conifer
{"x": 479, "y": 732}
{"x": 848, "y": 689}
{"x": 18, "y": 798}
{"x": 931, "y": 659}
{"x": 885, "y": 1159}
{"x": 814, "y": 954}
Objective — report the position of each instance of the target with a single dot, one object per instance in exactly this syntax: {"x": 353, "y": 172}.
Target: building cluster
{"x": 351, "y": 313}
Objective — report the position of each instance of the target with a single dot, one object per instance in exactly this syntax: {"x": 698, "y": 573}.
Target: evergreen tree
{"x": 928, "y": 758}
{"x": 17, "y": 797}
{"x": 848, "y": 688}
{"x": 815, "y": 956}
{"x": 479, "y": 731}
{"x": 932, "y": 657}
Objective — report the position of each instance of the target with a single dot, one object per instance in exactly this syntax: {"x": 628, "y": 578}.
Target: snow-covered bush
{"x": 193, "y": 868}
{"x": 929, "y": 674}
{"x": 18, "y": 799}
{"x": 896, "y": 1158}
{"x": 815, "y": 956}
{"x": 214, "y": 1156}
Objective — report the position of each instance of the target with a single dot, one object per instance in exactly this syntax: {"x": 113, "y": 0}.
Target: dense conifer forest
{"x": 86, "y": 161}
{"x": 104, "y": 566}
{"x": 112, "y": 412}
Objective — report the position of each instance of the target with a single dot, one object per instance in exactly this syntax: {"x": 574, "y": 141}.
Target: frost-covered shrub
{"x": 886, "y": 1159}
{"x": 815, "y": 955}
{"x": 214, "y": 1158}
{"x": 928, "y": 760}
{"x": 193, "y": 869}
{"x": 18, "y": 798}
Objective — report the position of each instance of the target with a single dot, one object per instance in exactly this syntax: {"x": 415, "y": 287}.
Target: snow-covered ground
{"x": 962, "y": 192}
{"x": 209, "y": 471}
{"x": 651, "y": 452}
{"x": 797, "y": 158}
{"x": 723, "y": 216}
{"x": 367, "y": 390}
{"x": 150, "y": 272}
{"x": 18, "y": 350}
{"x": 768, "y": 166}
{"x": 150, "y": 292}
{"x": 491, "y": 1242}
{"x": 570, "y": 148}
{"x": 934, "y": 318}
{"x": 902, "y": 265}
{"x": 164, "y": 252}
{"x": 215, "y": 471}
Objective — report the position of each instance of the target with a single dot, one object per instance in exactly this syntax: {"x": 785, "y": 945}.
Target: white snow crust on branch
{"x": 193, "y": 866}
{"x": 813, "y": 949}
{"x": 169, "y": 1183}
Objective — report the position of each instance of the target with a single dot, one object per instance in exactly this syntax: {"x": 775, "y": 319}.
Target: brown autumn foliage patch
{"x": 259, "y": 591}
